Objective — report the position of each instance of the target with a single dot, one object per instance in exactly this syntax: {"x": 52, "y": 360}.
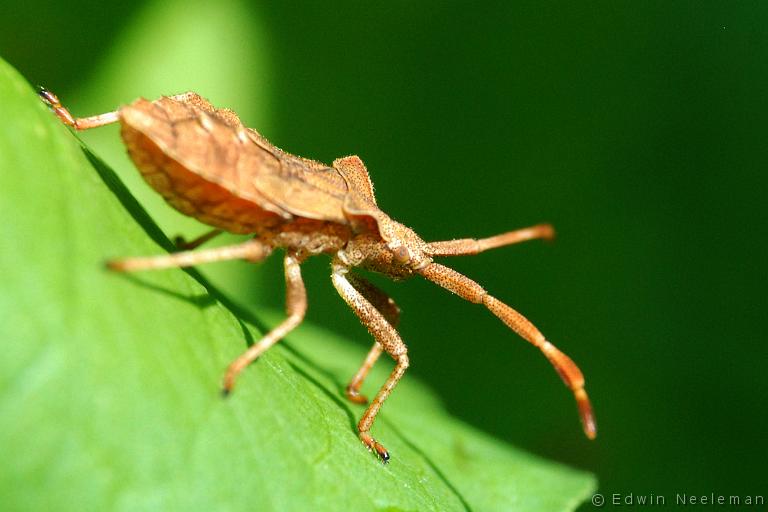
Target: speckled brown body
{"x": 207, "y": 165}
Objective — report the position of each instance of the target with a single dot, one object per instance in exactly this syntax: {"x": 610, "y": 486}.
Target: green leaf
{"x": 163, "y": 42}
{"x": 109, "y": 384}
{"x": 225, "y": 59}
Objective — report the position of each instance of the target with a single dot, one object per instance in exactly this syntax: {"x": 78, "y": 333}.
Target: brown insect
{"x": 208, "y": 165}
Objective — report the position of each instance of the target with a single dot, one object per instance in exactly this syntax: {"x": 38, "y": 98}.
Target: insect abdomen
{"x": 192, "y": 194}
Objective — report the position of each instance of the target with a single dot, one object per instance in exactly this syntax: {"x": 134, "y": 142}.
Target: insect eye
{"x": 401, "y": 255}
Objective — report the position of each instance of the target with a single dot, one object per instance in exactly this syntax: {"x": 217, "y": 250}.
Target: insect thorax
{"x": 308, "y": 237}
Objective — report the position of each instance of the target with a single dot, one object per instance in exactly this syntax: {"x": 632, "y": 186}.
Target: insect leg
{"x": 252, "y": 250}
{"x": 295, "y": 306}
{"x": 469, "y": 290}
{"x": 78, "y": 123}
{"x": 467, "y": 246}
{"x": 386, "y": 336}
{"x": 181, "y": 243}
{"x": 353, "y": 388}
{"x": 387, "y": 307}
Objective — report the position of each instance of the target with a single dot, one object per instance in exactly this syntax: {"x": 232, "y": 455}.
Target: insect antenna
{"x": 469, "y": 290}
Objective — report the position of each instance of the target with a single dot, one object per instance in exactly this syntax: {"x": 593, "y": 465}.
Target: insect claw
{"x": 46, "y": 95}
{"x": 53, "y": 102}
{"x": 113, "y": 265}
{"x": 228, "y": 385}
{"x": 547, "y": 232}
{"x": 375, "y": 446}
{"x": 588, "y": 422}
{"x": 354, "y": 396}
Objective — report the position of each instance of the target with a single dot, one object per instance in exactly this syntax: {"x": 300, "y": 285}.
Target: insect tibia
{"x": 80, "y": 123}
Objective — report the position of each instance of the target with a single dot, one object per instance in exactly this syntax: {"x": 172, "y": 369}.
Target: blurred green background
{"x": 637, "y": 129}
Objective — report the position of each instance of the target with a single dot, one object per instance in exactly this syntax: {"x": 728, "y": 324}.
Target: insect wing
{"x": 206, "y": 144}
{"x": 312, "y": 193}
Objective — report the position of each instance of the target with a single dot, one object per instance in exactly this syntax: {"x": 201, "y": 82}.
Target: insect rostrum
{"x": 208, "y": 165}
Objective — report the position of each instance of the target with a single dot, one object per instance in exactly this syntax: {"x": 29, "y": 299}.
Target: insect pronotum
{"x": 208, "y": 165}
